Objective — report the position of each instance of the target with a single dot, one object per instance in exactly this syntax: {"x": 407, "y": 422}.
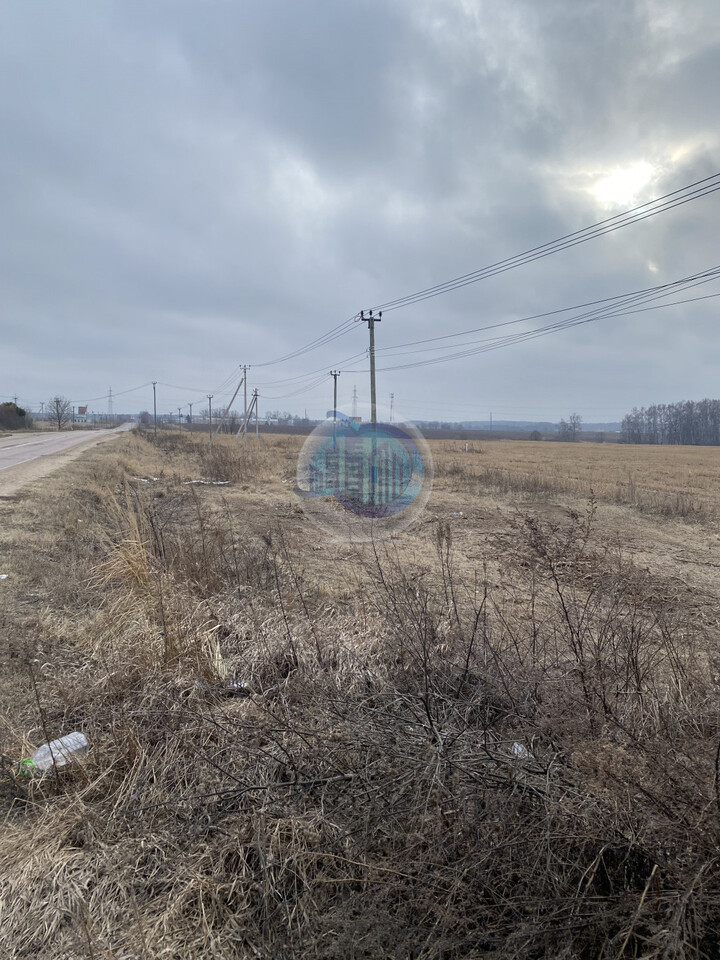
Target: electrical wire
{"x": 303, "y": 376}
{"x": 119, "y": 393}
{"x": 338, "y": 331}
{"x": 300, "y": 390}
{"x": 702, "y": 277}
{"x": 621, "y": 305}
{"x": 497, "y": 343}
{"x": 686, "y": 194}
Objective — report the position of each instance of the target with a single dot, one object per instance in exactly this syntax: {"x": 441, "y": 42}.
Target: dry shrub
{"x": 448, "y": 769}
{"x": 226, "y": 459}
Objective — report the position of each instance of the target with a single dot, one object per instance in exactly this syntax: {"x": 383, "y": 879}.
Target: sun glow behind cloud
{"x": 623, "y": 186}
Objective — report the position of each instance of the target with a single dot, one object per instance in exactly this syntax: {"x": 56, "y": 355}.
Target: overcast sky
{"x": 190, "y": 186}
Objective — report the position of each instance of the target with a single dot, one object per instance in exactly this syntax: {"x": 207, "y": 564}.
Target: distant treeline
{"x": 688, "y": 422}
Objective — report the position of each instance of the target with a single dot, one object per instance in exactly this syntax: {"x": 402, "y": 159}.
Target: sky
{"x": 187, "y": 187}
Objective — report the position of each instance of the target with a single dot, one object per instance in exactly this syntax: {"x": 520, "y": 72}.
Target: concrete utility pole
{"x": 248, "y": 416}
{"x": 392, "y": 405}
{"x": 179, "y": 416}
{"x": 155, "y": 405}
{"x": 335, "y": 374}
{"x": 354, "y": 406}
{"x": 210, "y": 398}
{"x": 370, "y": 320}
{"x": 245, "y": 391}
{"x": 190, "y": 405}
{"x": 228, "y": 408}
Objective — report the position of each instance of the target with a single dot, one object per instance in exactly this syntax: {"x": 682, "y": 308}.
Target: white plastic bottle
{"x": 74, "y": 746}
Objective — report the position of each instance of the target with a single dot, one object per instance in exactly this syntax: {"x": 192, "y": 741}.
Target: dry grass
{"x": 301, "y": 750}
{"x": 669, "y": 481}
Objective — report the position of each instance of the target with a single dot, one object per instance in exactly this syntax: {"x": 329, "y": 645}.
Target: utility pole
{"x": 354, "y": 406}
{"x": 210, "y": 396}
{"x": 335, "y": 374}
{"x": 370, "y": 320}
{"x": 248, "y": 417}
{"x": 110, "y": 407}
{"x": 392, "y": 406}
{"x": 228, "y": 408}
{"x": 155, "y": 405}
{"x": 190, "y": 405}
{"x": 179, "y": 416}
{"x": 245, "y": 391}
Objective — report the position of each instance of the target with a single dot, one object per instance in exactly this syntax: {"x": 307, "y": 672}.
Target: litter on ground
{"x": 209, "y": 483}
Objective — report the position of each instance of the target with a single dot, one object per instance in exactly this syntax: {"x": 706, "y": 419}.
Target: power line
{"x": 177, "y": 386}
{"x": 311, "y": 373}
{"x": 117, "y": 393}
{"x": 620, "y": 305}
{"x": 338, "y": 331}
{"x": 702, "y": 277}
{"x": 300, "y": 390}
{"x": 498, "y": 342}
{"x": 692, "y": 191}
{"x": 669, "y": 201}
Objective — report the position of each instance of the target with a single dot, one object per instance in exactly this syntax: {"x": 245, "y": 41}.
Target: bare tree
{"x": 570, "y": 428}
{"x": 687, "y": 422}
{"x": 575, "y": 425}
{"x": 59, "y": 411}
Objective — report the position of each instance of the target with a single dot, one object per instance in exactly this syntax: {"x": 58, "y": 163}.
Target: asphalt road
{"x": 23, "y": 449}
{"x": 25, "y": 458}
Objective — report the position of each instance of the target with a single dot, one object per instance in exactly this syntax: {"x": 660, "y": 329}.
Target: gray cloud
{"x": 188, "y": 186}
